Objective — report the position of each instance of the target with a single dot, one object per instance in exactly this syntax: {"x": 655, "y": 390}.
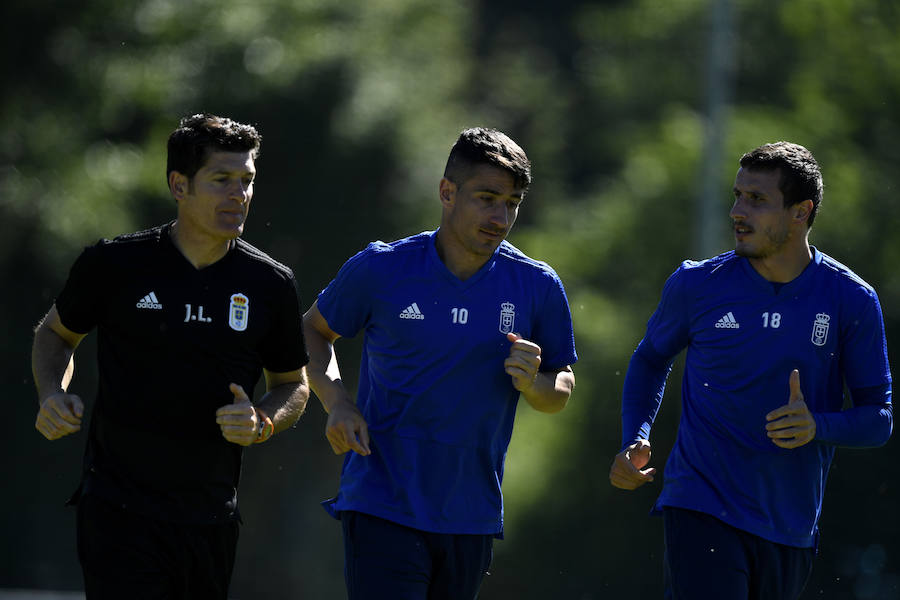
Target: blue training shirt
{"x": 743, "y": 339}
{"x": 432, "y": 386}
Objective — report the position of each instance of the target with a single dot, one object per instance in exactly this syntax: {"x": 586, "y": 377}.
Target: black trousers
{"x": 124, "y": 555}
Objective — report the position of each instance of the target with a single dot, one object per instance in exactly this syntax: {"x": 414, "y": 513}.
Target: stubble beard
{"x": 774, "y": 242}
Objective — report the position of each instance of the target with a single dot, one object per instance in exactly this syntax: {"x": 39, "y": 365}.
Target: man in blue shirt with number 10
{"x": 458, "y": 324}
{"x": 773, "y": 331}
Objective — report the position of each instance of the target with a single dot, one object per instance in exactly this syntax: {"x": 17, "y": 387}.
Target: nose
{"x": 737, "y": 209}
{"x": 500, "y": 216}
{"x": 239, "y": 191}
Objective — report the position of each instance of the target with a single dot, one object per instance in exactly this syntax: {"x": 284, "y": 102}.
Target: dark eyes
{"x": 489, "y": 199}
{"x": 224, "y": 179}
{"x": 752, "y": 197}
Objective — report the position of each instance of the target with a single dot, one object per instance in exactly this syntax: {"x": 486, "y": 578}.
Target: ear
{"x": 178, "y": 185}
{"x": 802, "y": 211}
{"x": 447, "y": 191}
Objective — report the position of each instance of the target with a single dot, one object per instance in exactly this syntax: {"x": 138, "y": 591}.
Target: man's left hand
{"x": 791, "y": 425}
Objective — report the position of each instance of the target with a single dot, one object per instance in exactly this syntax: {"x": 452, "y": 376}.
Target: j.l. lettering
{"x": 191, "y": 316}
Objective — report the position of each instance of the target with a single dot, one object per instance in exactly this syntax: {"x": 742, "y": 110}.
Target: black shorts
{"x": 125, "y": 555}
{"x": 707, "y": 558}
{"x": 387, "y": 561}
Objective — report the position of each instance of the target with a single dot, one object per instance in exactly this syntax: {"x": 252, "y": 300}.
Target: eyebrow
{"x": 494, "y": 192}
{"x": 224, "y": 171}
{"x": 751, "y": 190}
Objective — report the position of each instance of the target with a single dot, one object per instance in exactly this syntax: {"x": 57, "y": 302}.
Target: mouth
{"x": 493, "y": 234}
{"x": 232, "y": 216}
{"x": 741, "y": 231}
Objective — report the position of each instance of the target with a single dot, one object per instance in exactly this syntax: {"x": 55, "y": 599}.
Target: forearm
{"x": 868, "y": 424}
{"x": 52, "y": 362}
{"x": 645, "y": 384}
{"x": 285, "y": 403}
{"x": 551, "y": 390}
{"x": 324, "y": 372}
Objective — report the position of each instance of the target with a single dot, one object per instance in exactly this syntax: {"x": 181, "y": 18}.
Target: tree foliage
{"x": 358, "y": 103}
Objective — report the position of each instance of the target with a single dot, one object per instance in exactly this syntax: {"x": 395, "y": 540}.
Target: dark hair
{"x": 801, "y": 178}
{"x": 483, "y": 146}
{"x": 200, "y": 135}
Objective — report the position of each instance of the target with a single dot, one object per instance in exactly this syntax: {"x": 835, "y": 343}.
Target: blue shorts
{"x": 387, "y": 561}
{"x": 706, "y": 558}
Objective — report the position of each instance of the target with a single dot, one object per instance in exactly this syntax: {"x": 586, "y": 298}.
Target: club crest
{"x": 820, "y": 329}
{"x": 507, "y": 317}
{"x": 239, "y": 312}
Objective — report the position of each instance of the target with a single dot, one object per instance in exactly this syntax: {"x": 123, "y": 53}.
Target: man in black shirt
{"x": 188, "y": 317}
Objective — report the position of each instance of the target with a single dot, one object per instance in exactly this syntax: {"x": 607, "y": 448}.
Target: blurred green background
{"x": 634, "y": 114}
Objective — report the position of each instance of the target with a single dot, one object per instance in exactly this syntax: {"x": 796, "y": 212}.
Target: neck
{"x": 458, "y": 261}
{"x": 785, "y": 266}
{"x": 200, "y": 251}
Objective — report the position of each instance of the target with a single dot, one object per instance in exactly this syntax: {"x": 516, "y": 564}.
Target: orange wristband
{"x": 266, "y": 427}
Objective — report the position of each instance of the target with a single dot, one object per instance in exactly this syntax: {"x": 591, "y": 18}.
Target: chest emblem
{"x": 507, "y": 317}
{"x": 239, "y": 312}
{"x": 412, "y": 312}
{"x": 820, "y": 329}
{"x": 728, "y": 322}
{"x": 149, "y": 301}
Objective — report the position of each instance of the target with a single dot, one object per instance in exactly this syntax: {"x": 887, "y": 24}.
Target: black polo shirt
{"x": 171, "y": 339}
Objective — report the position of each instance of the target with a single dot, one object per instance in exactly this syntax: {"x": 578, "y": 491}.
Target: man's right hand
{"x": 346, "y": 429}
{"x": 627, "y": 471}
{"x": 60, "y": 415}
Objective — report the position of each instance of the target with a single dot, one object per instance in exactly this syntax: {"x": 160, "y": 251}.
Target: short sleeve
{"x": 553, "y": 330}
{"x": 346, "y": 302}
{"x": 284, "y": 346}
{"x": 81, "y": 301}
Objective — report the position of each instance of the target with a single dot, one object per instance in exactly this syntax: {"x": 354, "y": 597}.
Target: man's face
{"x": 761, "y": 223}
{"x": 216, "y": 202}
{"x": 482, "y": 210}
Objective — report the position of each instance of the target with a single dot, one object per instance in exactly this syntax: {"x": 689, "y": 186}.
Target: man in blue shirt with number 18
{"x": 773, "y": 331}
{"x": 458, "y": 324}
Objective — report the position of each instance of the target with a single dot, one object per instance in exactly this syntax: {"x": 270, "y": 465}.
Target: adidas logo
{"x": 149, "y": 301}
{"x": 728, "y": 322}
{"x": 412, "y": 312}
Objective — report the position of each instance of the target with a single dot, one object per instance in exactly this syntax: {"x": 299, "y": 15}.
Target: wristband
{"x": 266, "y": 427}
